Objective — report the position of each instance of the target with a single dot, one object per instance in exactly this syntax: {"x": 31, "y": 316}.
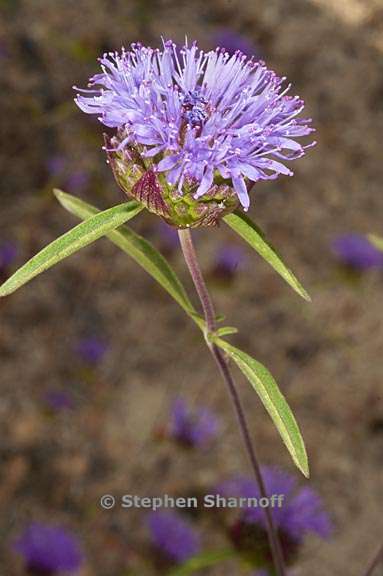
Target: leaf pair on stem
{"x": 111, "y": 223}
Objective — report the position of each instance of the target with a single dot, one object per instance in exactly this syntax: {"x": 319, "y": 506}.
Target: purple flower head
{"x": 355, "y": 251}
{"x": 59, "y": 400}
{"x": 173, "y": 536}
{"x": 301, "y": 512}
{"x": 192, "y": 427}
{"x": 194, "y": 126}
{"x": 8, "y": 253}
{"x": 48, "y": 550}
{"x": 233, "y": 42}
{"x": 91, "y": 350}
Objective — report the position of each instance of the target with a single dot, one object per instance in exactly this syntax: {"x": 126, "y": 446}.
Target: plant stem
{"x": 196, "y": 274}
{"x": 210, "y": 318}
{"x": 374, "y": 563}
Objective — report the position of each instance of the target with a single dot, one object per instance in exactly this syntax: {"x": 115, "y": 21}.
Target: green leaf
{"x": 226, "y": 331}
{"x": 254, "y": 236}
{"x": 377, "y": 241}
{"x": 204, "y": 560}
{"x": 274, "y": 402}
{"x": 70, "y": 242}
{"x": 142, "y": 251}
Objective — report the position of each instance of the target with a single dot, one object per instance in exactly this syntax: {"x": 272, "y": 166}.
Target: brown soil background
{"x": 325, "y": 355}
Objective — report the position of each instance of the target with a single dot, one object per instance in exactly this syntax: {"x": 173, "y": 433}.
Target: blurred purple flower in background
{"x": 4, "y": 52}
{"x": 300, "y": 514}
{"x": 77, "y": 181}
{"x": 59, "y": 400}
{"x": 192, "y": 427}
{"x": 8, "y": 253}
{"x": 233, "y": 41}
{"x": 91, "y": 350}
{"x": 173, "y": 536}
{"x": 355, "y": 251}
{"x": 168, "y": 237}
{"x": 228, "y": 260}
{"x": 48, "y": 550}
{"x": 56, "y": 165}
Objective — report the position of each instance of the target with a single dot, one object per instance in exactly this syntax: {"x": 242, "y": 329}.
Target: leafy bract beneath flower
{"x": 197, "y": 120}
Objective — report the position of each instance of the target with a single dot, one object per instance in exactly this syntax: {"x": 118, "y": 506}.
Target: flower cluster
{"x": 356, "y": 252}
{"x": 48, "y": 550}
{"x": 228, "y": 260}
{"x": 173, "y": 537}
{"x": 91, "y": 350}
{"x": 192, "y": 428}
{"x": 58, "y": 400}
{"x": 194, "y": 130}
{"x": 233, "y": 42}
{"x": 302, "y": 513}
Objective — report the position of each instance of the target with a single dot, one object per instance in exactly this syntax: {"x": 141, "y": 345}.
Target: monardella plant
{"x": 189, "y": 135}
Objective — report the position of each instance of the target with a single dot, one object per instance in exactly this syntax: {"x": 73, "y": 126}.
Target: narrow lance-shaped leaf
{"x": 377, "y": 241}
{"x": 254, "y": 236}
{"x": 273, "y": 400}
{"x": 142, "y": 251}
{"x": 70, "y": 242}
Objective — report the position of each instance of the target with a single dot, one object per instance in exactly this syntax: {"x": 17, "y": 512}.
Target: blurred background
{"x": 93, "y": 353}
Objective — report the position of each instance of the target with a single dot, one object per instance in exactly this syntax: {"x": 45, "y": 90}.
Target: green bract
{"x": 136, "y": 177}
